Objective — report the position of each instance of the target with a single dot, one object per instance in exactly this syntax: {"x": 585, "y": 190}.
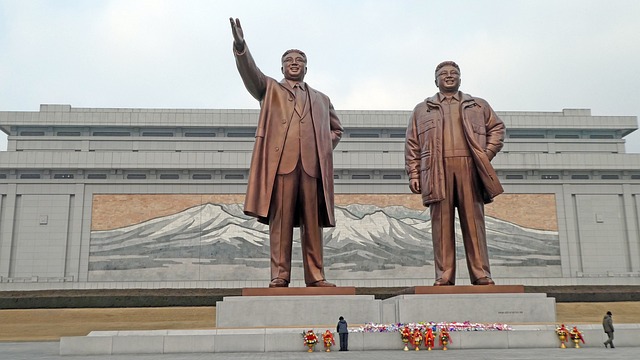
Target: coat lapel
{"x": 313, "y": 97}
{"x": 286, "y": 85}
{"x": 290, "y": 97}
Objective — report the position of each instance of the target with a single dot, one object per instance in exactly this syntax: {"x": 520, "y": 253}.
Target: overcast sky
{"x": 542, "y": 55}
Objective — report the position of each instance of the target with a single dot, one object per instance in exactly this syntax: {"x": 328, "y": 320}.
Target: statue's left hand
{"x": 414, "y": 186}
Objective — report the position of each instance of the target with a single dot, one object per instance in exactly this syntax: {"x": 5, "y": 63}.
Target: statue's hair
{"x": 445, "y": 63}
{"x": 295, "y": 50}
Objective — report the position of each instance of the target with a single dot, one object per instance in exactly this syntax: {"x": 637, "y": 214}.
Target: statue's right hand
{"x": 414, "y": 185}
{"x": 238, "y": 34}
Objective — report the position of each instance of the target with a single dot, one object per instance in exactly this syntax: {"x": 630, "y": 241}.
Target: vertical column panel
{"x": 72, "y": 266}
{"x": 562, "y": 202}
{"x": 7, "y": 214}
{"x": 602, "y": 234}
{"x": 2, "y": 212}
{"x": 572, "y": 235}
{"x": 41, "y": 236}
{"x": 15, "y": 235}
{"x": 632, "y": 212}
{"x": 85, "y": 232}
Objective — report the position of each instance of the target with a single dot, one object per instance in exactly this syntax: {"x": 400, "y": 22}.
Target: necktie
{"x": 300, "y": 99}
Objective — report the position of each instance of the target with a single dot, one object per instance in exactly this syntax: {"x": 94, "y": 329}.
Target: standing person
{"x": 291, "y": 175}
{"x": 607, "y": 324}
{"x": 343, "y": 333}
{"x": 451, "y": 139}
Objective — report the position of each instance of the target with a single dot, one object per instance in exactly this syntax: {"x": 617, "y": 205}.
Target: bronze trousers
{"x": 295, "y": 197}
{"x": 463, "y": 191}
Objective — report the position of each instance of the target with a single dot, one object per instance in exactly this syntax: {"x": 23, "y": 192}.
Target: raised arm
{"x": 254, "y": 80}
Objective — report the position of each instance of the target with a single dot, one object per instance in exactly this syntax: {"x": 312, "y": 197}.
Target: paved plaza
{"x": 50, "y": 351}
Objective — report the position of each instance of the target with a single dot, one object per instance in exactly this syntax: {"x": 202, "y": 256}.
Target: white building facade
{"x": 152, "y": 198}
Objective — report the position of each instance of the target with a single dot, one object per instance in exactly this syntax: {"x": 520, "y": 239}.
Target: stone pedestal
{"x": 322, "y": 306}
{"x": 274, "y": 319}
{"x": 475, "y": 307}
{"x": 295, "y": 310}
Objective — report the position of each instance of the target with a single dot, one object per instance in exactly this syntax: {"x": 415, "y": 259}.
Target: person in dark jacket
{"x": 343, "y": 332}
{"x": 607, "y": 324}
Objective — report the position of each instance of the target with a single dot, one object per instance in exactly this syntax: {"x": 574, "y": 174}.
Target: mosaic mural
{"x": 207, "y": 237}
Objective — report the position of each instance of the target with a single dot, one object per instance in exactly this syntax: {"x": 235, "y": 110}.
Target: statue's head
{"x": 294, "y": 64}
{"x": 448, "y": 76}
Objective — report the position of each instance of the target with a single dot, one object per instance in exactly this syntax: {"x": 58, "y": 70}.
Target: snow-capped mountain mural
{"x": 217, "y": 241}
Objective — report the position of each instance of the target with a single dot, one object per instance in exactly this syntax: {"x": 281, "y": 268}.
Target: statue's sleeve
{"x": 495, "y": 132}
{"x": 254, "y": 80}
{"x": 412, "y": 149}
{"x": 335, "y": 126}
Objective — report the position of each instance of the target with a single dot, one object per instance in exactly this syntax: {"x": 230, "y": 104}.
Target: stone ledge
{"x": 290, "y": 339}
{"x": 115, "y": 298}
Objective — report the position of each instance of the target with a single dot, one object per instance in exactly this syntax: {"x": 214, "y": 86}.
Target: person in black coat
{"x": 607, "y": 324}
{"x": 343, "y": 332}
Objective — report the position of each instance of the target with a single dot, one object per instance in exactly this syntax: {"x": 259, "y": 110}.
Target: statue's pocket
{"x": 425, "y": 167}
{"x": 426, "y": 124}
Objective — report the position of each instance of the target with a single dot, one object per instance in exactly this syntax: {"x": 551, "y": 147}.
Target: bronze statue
{"x": 291, "y": 174}
{"x": 451, "y": 139}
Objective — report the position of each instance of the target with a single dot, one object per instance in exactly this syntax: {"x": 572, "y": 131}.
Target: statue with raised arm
{"x": 451, "y": 139}
{"x": 291, "y": 174}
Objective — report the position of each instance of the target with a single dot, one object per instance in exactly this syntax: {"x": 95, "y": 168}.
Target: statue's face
{"x": 294, "y": 66}
{"x": 448, "y": 79}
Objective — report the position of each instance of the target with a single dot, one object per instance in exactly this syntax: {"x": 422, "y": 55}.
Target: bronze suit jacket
{"x": 483, "y": 130}
{"x": 276, "y": 113}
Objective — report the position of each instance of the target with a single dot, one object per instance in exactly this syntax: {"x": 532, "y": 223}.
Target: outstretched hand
{"x": 238, "y": 34}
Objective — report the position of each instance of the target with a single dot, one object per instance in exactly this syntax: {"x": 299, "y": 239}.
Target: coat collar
{"x": 435, "y": 99}
{"x": 285, "y": 84}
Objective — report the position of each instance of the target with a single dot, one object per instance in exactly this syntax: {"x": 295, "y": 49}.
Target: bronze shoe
{"x": 321, "y": 283}
{"x": 278, "y": 283}
{"x": 442, "y": 282}
{"x": 484, "y": 281}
